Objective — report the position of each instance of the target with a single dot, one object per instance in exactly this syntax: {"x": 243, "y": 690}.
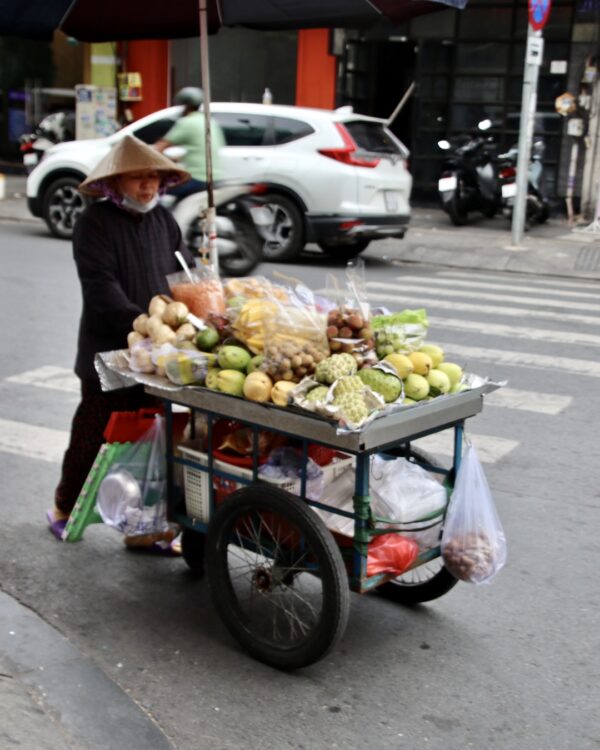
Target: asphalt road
{"x": 513, "y": 665}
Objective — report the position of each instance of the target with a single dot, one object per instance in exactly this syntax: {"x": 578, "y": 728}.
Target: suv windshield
{"x": 372, "y": 137}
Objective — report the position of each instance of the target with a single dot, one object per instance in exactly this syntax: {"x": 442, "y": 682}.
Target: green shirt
{"x": 189, "y": 132}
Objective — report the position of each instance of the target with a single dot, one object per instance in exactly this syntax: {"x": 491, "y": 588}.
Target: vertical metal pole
{"x": 528, "y": 107}
{"x": 211, "y": 212}
{"x": 571, "y": 181}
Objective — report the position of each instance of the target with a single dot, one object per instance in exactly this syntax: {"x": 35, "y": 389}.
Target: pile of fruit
{"x": 269, "y": 348}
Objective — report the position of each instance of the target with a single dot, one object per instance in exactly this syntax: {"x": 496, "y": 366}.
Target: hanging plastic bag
{"x": 132, "y": 496}
{"x": 391, "y": 553}
{"x": 473, "y": 541}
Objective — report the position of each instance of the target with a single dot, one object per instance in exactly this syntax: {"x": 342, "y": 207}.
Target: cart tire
{"x": 423, "y": 584}
{"x": 192, "y": 551}
{"x": 426, "y": 582}
{"x": 277, "y": 577}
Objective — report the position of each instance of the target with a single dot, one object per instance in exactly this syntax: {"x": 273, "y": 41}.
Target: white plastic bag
{"x": 473, "y": 541}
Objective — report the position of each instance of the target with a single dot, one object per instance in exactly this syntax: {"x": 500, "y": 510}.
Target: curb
{"x": 88, "y": 706}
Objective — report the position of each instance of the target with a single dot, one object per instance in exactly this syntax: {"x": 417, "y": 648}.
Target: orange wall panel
{"x": 151, "y": 59}
{"x": 316, "y": 70}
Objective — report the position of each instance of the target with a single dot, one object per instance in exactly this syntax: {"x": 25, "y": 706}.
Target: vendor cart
{"x": 278, "y": 576}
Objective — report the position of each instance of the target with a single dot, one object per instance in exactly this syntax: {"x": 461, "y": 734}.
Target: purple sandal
{"x": 56, "y": 526}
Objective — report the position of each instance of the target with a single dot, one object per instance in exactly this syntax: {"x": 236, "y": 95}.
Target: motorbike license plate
{"x": 445, "y": 184}
{"x": 30, "y": 160}
{"x": 391, "y": 200}
{"x": 261, "y": 216}
{"x": 510, "y": 190}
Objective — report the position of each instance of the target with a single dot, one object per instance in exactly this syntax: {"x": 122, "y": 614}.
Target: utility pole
{"x": 533, "y": 58}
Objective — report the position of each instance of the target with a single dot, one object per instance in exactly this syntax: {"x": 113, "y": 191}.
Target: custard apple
{"x": 352, "y": 406}
{"x": 317, "y": 394}
{"x": 347, "y": 384}
{"x": 335, "y": 367}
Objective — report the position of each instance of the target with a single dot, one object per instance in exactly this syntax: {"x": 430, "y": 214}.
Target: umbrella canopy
{"x": 109, "y": 20}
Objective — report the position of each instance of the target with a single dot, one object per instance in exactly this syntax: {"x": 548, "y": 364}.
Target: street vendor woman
{"x": 124, "y": 247}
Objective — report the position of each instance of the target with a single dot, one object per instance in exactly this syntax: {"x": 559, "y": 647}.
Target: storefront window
{"x": 498, "y": 19}
{"x": 485, "y": 56}
{"x": 481, "y": 89}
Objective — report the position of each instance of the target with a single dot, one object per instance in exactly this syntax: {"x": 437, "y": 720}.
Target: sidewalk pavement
{"x": 552, "y": 248}
{"x": 50, "y": 694}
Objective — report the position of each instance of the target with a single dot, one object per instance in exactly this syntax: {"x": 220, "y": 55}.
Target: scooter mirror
{"x": 444, "y": 145}
{"x": 485, "y": 125}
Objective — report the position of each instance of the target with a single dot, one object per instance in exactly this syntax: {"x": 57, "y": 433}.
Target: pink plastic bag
{"x": 391, "y": 553}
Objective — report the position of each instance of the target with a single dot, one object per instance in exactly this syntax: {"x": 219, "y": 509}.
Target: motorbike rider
{"x": 189, "y": 133}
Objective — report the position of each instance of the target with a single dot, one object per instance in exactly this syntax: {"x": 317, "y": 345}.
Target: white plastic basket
{"x": 196, "y": 483}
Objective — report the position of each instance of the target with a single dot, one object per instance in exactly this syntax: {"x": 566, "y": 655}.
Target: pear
{"x": 422, "y": 362}
{"x": 435, "y": 352}
{"x": 452, "y": 370}
{"x": 280, "y": 393}
{"x": 231, "y": 381}
{"x": 401, "y": 363}
{"x": 416, "y": 387}
{"x": 439, "y": 382}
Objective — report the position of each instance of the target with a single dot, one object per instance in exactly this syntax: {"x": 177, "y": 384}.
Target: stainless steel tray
{"x": 406, "y": 423}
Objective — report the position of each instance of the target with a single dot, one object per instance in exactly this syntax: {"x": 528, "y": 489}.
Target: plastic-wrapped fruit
{"x": 387, "y": 385}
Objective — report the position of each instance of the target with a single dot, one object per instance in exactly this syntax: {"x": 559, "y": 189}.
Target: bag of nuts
{"x": 473, "y": 542}
{"x": 348, "y": 326}
{"x": 295, "y": 341}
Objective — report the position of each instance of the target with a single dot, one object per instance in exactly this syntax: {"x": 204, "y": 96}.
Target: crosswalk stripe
{"x": 401, "y": 300}
{"x": 426, "y": 289}
{"x": 508, "y": 285}
{"x": 522, "y": 359}
{"x": 515, "y": 280}
{"x": 516, "y": 332}
{"x": 48, "y": 376}
{"x": 490, "y": 449}
{"x": 32, "y": 441}
{"x": 540, "y": 403}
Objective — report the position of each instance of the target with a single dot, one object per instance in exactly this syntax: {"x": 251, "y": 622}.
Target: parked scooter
{"x": 537, "y": 207}
{"x": 241, "y": 223}
{"x": 54, "y": 128}
{"x": 470, "y": 181}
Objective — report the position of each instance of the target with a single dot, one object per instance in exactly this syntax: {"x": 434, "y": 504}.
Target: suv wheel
{"x": 284, "y": 238}
{"x": 62, "y": 206}
{"x": 347, "y": 251}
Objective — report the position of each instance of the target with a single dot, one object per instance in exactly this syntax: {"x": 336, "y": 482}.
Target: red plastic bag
{"x": 391, "y": 553}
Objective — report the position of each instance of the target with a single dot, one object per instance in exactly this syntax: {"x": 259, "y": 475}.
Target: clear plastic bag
{"x": 287, "y": 463}
{"x": 204, "y": 295}
{"x": 132, "y": 496}
{"x": 473, "y": 540}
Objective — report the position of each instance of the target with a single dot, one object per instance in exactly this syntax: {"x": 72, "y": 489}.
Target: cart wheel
{"x": 423, "y": 584}
{"x": 192, "y": 551}
{"x": 277, "y": 577}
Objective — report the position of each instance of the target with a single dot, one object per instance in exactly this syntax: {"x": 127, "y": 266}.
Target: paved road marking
{"x": 523, "y": 359}
{"x": 517, "y": 332}
{"x": 541, "y": 403}
{"x": 402, "y": 299}
{"x": 490, "y": 449}
{"x": 32, "y": 441}
{"x": 506, "y": 286}
{"x": 426, "y": 289}
{"x": 515, "y": 280}
{"x": 49, "y": 376}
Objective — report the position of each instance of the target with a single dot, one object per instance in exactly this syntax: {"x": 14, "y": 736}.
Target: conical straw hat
{"x": 132, "y": 155}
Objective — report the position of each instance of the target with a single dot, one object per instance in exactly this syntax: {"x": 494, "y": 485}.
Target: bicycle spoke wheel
{"x": 277, "y": 577}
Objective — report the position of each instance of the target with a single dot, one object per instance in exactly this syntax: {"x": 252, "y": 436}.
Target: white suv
{"x": 332, "y": 177}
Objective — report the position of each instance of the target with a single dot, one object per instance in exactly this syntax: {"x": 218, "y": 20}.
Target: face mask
{"x": 141, "y": 208}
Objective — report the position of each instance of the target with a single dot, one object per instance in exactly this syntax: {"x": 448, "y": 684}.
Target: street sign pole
{"x": 533, "y": 59}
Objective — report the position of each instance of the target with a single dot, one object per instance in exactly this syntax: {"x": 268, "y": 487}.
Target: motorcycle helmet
{"x": 190, "y": 96}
